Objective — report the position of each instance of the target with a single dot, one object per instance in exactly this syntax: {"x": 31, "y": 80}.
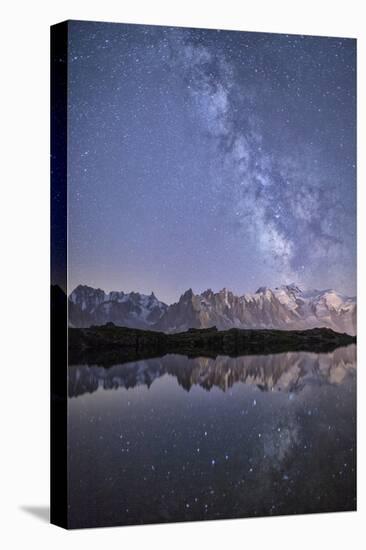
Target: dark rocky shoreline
{"x": 110, "y": 344}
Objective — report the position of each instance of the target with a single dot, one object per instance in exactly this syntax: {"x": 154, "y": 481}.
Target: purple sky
{"x": 203, "y": 158}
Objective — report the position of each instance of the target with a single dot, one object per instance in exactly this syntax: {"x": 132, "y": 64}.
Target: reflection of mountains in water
{"x": 284, "y": 371}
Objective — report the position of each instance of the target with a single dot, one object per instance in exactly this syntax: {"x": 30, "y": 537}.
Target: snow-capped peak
{"x": 285, "y": 307}
{"x": 292, "y": 287}
{"x": 94, "y": 306}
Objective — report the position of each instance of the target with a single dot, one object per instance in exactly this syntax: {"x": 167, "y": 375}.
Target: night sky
{"x": 210, "y": 159}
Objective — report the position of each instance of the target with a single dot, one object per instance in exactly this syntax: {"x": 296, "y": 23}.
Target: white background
{"x": 24, "y": 218}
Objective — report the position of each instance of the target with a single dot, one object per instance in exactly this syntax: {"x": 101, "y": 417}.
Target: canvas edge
{"x": 58, "y": 298}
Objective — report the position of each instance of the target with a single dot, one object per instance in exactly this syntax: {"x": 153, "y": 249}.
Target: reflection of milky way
{"x": 157, "y": 452}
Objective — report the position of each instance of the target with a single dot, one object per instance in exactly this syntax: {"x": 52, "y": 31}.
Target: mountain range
{"x": 286, "y": 307}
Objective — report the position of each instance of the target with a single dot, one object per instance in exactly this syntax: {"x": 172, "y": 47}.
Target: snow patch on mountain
{"x": 285, "y": 307}
{"x": 89, "y": 306}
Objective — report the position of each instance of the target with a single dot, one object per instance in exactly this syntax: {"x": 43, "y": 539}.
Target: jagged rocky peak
{"x": 285, "y": 307}
{"x": 86, "y": 291}
{"x": 94, "y": 307}
{"x": 188, "y": 295}
{"x": 263, "y": 290}
{"x": 208, "y": 293}
{"x": 292, "y": 287}
{"x": 116, "y": 295}
{"x": 225, "y": 293}
{"x": 87, "y": 296}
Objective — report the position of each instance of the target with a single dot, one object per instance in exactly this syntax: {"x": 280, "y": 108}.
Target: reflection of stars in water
{"x": 238, "y": 466}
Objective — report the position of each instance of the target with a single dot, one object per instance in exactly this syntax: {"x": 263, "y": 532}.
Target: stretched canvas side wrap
{"x": 203, "y": 259}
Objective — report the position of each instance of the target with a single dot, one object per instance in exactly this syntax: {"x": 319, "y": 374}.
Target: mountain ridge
{"x": 285, "y": 307}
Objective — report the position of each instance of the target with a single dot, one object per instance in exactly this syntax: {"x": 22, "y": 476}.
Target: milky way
{"x": 203, "y": 158}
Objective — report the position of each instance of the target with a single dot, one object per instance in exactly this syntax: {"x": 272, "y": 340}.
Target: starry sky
{"x": 209, "y": 159}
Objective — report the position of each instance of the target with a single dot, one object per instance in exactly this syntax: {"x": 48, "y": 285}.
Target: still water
{"x": 176, "y": 438}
